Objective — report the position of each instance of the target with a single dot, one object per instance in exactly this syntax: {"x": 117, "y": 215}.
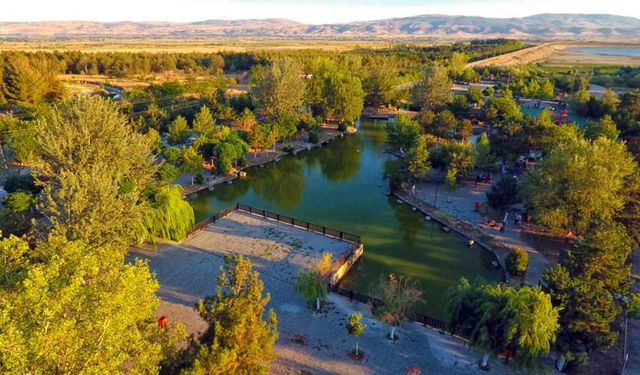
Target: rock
{"x": 494, "y": 263}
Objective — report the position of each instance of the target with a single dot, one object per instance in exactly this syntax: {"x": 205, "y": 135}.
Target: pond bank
{"x": 327, "y": 134}
{"x": 458, "y": 226}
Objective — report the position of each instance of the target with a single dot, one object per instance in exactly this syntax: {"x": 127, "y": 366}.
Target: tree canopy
{"x": 580, "y": 182}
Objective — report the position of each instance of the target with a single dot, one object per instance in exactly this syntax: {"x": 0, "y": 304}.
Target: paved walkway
{"x": 460, "y": 204}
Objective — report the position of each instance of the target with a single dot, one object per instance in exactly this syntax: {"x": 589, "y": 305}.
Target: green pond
{"x": 341, "y": 186}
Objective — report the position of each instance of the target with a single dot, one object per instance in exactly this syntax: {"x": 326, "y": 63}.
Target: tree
{"x": 458, "y": 63}
{"x": 434, "y": 88}
{"x": 68, "y": 309}
{"x": 464, "y": 130}
{"x": 444, "y": 124}
{"x": 19, "y": 201}
{"x": 344, "y": 97}
{"x": 546, "y": 90}
{"x": 178, "y": 130}
{"x": 602, "y": 254}
{"x": 167, "y": 173}
{"x": 168, "y": 216}
{"x": 502, "y": 108}
{"x": 517, "y": 261}
{"x": 22, "y": 82}
{"x": 312, "y": 283}
{"x": 474, "y": 96}
{"x": 498, "y": 317}
{"x": 246, "y": 121}
{"x": 418, "y": 164}
{"x": 379, "y": 83}
{"x": 94, "y": 170}
{"x": 238, "y": 340}
{"x": 191, "y": 161}
{"x": 484, "y": 158}
{"x": 398, "y": 296}
{"x": 355, "y": 327}
{"x": 171, "y": 154}
{"x": 203, "y": 124}
{"x": 588, "y": 311}
{"x": 610, "y": 101}
{"x": 403, "y": 133}
{"x": 603, "y": 128}
{"x": 579, "y": 183}
{"x": 503, "y": 193}
{"x": 278, "y": 90}
{"x": 451, "y": 180}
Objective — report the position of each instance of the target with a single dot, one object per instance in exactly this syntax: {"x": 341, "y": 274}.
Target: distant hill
{"x": 541, "y": 26}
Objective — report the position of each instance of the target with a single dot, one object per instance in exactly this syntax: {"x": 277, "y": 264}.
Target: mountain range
{"x": 538, "y": 27}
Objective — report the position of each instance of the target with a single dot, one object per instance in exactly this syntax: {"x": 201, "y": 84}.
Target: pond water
{"x": 633, "y": 51}
{"x": 340, "y": 186}
{"x": 573, "y": 117}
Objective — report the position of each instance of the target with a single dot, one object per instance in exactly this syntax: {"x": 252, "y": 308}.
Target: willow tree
{"x": 94, "y": 169}
{"x": 66, "y": 309}
{"x": 496, "y": 318}
{"x": 168, "y": 216}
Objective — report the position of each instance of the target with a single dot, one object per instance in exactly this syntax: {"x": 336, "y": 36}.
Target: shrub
{"x": 21, "y": 183}
{"x": 504, "y": 193}
{"x": 199, "y": 179}
{"x": 517, "y": 261}
{"x": 171, "y": 154}
{"x": 342, "y": 127}
{"x": 314, "y": 136}
{"x": 168, "y": 172}
{"x": 289, "y": 149}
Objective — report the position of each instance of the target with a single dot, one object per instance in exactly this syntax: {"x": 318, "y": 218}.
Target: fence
{"x": 299, "y": 223}
{"x": 280, "y": 218}
{"x": 375, "y": 302}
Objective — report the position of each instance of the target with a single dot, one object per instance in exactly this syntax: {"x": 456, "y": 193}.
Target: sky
{"x": 311, "y": 12}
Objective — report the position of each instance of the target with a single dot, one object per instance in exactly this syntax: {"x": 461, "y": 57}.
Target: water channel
{"x": 340, "y": 185}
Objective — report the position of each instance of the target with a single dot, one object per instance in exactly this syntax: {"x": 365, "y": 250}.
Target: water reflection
{"x": 341, "y": 163}
{"x": 281, "y": 184}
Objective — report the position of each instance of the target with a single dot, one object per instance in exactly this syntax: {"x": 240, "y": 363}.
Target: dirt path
{"x": 523, "y": 56}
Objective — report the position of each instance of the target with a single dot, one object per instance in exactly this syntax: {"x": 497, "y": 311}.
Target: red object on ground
{"x": 163, "y": 321}
{"x": 476, "y": 205}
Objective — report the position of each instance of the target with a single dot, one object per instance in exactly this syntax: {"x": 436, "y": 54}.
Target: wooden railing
{"x": 299, "y": 223}
{"x": 280, "y": 218}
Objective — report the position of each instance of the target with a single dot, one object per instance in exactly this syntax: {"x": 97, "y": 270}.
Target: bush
{"x": 504, "y": 193}
{"x": 171, "y": 154}
{"x": 517, "y": 261}
{"x": 289, "y": 149}
{"x": 342, "y": 127}
{"x": 168, "y": 172}
{"x": 314, "y": 136}
{"x": 21, "y": 183}
{"x": 199, "y": 179}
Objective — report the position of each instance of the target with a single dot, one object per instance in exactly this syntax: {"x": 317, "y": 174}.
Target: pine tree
{"x": 239, "y": 341}
{"x": 203, "y": 124}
